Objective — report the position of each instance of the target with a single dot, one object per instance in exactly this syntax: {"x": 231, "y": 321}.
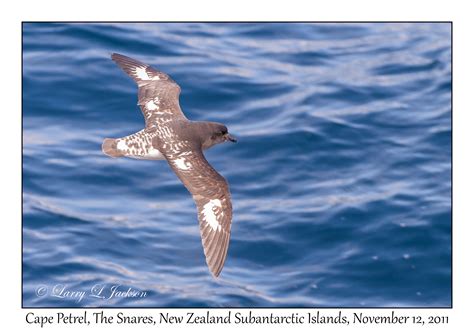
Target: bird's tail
{"x": 109, "y": 147}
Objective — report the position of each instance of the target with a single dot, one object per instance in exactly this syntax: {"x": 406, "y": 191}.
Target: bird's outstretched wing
{"x": 158, "y": 94}
{"x": 213, "y": 201}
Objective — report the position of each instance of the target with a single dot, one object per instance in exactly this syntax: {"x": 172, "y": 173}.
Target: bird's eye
{"x": 223, "y": 132}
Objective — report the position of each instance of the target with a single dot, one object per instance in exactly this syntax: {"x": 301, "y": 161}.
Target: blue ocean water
{"x": 341, "y": 179}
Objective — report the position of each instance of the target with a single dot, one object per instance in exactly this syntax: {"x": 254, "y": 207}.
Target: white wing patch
{"x": 210, "y": 212}
{"x": 182, "y": 164}
{"x": 141, "y": 73}
{"x": 151, "y": 105}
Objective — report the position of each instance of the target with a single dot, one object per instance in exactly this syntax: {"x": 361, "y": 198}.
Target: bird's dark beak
{"x": 230, "y": 138}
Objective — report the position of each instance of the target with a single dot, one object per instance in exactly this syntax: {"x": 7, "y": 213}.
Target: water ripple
{"x": 341, "y": 180}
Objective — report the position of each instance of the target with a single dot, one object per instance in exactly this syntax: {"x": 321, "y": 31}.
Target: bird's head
{"x": 217, "y": 133}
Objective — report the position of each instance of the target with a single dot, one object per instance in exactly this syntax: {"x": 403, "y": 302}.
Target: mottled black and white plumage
{"x": 169, "y": 135}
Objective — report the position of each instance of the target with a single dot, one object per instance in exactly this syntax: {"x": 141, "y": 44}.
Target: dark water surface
{"x": 341, "y": 180}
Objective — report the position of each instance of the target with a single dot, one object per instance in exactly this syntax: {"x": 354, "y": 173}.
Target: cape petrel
{"x": 169, "y": 135}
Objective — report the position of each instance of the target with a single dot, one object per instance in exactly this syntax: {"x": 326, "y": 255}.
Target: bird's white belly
{"x": 152, "y": 154}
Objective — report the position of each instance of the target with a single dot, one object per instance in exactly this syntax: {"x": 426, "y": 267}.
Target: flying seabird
{"x": 169, "y": 135}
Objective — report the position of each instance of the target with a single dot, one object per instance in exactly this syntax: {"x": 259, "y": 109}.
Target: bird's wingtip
{"x": 215, "y": 269}
{"x": 215, "y": 273}
{"x": 115, "y": 55}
